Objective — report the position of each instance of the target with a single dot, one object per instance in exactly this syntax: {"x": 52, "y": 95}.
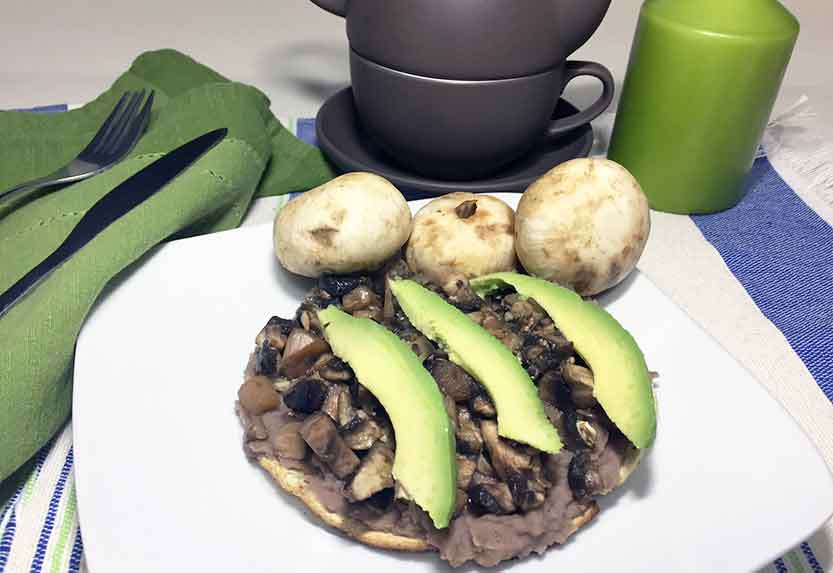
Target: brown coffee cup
{"x": 466, "y": 129}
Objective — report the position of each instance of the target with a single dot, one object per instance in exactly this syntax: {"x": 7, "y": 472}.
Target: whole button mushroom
{"x": 583, "y": 225}
{"x": 353, "y": 223}
{"x": 461, "y": 236}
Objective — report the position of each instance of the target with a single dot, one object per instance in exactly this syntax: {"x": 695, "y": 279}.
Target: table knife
{"x": 121, "y": 200}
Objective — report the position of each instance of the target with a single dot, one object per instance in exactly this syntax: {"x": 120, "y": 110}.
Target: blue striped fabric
{"x": 781, "y": 251}
{"x": 77, "y": 553}
{"x": 305, "y": 130}
{"x": 49, "y": 521}
{"x": 7, "y": 536}
{"x": 9, "y": 506}
{"x": 811, "y": 558}
{"x": 47, "y": 108}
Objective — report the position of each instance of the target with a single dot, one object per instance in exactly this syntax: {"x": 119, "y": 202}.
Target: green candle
{"x": 701, "y": 82}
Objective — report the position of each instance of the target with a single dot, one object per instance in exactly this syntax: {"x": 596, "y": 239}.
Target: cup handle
{"x": 573, "y": 69}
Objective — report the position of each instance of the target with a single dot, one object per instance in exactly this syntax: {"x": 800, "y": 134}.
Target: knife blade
{"x": 121, "y": 200}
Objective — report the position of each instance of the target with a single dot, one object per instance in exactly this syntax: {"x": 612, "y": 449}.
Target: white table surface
{"x": 70, "y": 51}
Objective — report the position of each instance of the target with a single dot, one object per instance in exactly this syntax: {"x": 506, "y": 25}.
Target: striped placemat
{"x": 773, "y": 244}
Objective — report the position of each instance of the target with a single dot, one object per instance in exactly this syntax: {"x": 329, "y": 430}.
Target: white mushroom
{"x": 583, "y": 224}
{"x": 353, "y": 223}
{"x": 462, "y": 235}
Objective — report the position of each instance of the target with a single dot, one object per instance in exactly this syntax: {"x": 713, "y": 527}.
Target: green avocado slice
{"x": 425, "y": 464}
{"x": 622, "y": 384}
{"x": 521, "y": 415}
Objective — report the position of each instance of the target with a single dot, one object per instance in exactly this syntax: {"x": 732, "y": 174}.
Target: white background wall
{"x": 69, "y": 51}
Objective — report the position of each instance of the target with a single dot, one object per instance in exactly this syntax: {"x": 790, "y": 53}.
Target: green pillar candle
{"x": 701, "y": 82}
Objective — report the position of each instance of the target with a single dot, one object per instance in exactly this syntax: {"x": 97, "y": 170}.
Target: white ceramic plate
{"x": 163, "y": 484}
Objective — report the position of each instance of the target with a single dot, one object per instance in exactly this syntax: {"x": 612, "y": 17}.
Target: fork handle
{"x": 7, "y": 198}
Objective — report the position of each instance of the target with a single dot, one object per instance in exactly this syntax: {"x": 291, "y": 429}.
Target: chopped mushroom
{"x": 317, "y": 298}
{"x": 491, "y": 498}
{"x": 257, "y": 395}
{"x": 281, "y": 385}
{"x": 387, "y": 436}
{"x": 374, "y": 474}
{"x": 275, "y": 332}
{"x": 561, "y": 397}
{"x": 482, "y": 405}
{"x": 479, "y": 478}
{"x": 347, "y": 416}
{"x": 330, "y": 404}
{"x": 288, "y": 442}
{"x": 513, "y": 466}
{"x": 302, "y": 350}
{"x": 465, "y": 471}
{"x": 372, "y": 312}
{"x": 364, "y": 399}
{"x": 505, "y": 459}
{"x": 308, "y": 319}
{"x": 461, "y": 295}
{"x": 420, "y": 346}
{"x": 536, "y": 473}
{"x": 336, "y": 370}
{"x": 469, "y": 440}
{"x": 306, "y": 395}
{"x": 267, "y": 359}
{"x": 363, "y": 436}
{"x": 339, "y": 285}
{"x": 520, "y": 308}
{"x": 526, "y": 494}
{"x": 321, "y": 362}
{"x": 274, "y": 326}
{"x": 584, "y": 480}
{"x": 592, "y": 432}
{"x": 321, "y": 435}
{"x": 539, "y": 356}
{"x": 453, "y": 380}
{"x": 547, "y": 383}
{"x": 484, "y": 467}
{"x": 581, "y": 383}
{"x": 555, "y": 417}
{"x": 556, "y": 339}
{"x": 359, "y": 298}
{"x": 489, "y": 320}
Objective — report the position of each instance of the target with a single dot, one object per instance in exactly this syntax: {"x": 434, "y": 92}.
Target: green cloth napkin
{"x": 37, "y": 336}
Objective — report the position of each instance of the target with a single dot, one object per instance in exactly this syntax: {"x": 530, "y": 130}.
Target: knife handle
{"x": 31, "y": 279}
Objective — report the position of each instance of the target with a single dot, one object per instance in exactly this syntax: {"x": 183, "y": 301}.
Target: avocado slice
{"x": 622, "y": 384}
{"x": 521, "y": 415}
{"x": 424, "y": 464}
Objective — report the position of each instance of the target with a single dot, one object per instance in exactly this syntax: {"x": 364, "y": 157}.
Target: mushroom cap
{"x": 353, "y": 223}
{"x": 583, "y": 224}
{"x": 446, "y": 245}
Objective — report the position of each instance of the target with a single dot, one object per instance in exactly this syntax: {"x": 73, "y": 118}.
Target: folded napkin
{"x": 37, "y": 336}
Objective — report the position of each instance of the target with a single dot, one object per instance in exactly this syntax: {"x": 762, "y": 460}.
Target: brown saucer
{"x": 345, "y": 144}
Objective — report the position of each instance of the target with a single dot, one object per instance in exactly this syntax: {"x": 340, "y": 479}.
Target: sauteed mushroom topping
{"x": 319, "y": 416}
{"x": 306, "y": 395}
{"x": 302, "y": 350}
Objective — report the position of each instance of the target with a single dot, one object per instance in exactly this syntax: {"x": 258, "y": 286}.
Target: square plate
{"x": 163, "y": 484}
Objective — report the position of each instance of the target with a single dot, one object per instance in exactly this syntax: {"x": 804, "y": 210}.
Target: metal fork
{"x": 113, "y": 141}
